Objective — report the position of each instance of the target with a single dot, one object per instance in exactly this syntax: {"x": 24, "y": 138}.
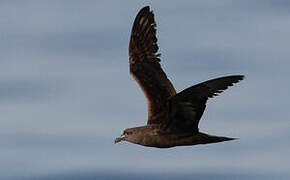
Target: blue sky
{"x": 66, "y": 92}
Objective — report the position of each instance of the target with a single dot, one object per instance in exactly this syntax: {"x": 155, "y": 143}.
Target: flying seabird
{"x": 172, "y": 117}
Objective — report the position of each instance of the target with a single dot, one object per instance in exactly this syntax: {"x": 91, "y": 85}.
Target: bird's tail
{"x": 206, "y": 138}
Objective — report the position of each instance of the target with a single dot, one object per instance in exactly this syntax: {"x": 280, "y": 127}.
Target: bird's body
{"x": 156, "y": 136}
{"x": 173, "y": 118}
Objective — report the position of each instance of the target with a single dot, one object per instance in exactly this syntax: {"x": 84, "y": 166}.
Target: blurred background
{"x": 66, "y": 92}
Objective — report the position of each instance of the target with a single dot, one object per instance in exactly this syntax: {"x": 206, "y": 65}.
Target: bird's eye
{"x": 127, "y": 133}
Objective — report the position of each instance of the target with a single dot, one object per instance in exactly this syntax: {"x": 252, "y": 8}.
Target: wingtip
{"x": 142, "y": 12}
{"x": 145, "y": 8}
{"x": 239, "y": 77}
{"x": 242, "y": 76}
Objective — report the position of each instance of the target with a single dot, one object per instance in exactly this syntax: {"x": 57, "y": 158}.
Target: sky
{"x": 66, "y": 92}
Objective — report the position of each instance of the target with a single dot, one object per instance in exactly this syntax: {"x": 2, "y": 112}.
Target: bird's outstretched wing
{"x": 188, "y": 105}
{"x": 209, "y": 88}
{"x": 145, "y": 66}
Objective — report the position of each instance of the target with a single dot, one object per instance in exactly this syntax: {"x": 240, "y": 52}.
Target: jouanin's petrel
{"x": 172, "y": 117}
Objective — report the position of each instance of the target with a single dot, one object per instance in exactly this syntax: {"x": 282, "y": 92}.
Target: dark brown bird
{"x": 172, "y": 118}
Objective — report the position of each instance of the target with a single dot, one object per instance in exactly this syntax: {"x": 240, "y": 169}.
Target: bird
{"x": 173, "y": 118}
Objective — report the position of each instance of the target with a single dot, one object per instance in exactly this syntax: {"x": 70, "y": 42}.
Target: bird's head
{"x": 126, "y": 136}
{"x": 133, "y": 135}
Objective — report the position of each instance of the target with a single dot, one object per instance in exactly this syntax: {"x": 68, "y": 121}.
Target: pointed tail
{"x": 206, "y": 138}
